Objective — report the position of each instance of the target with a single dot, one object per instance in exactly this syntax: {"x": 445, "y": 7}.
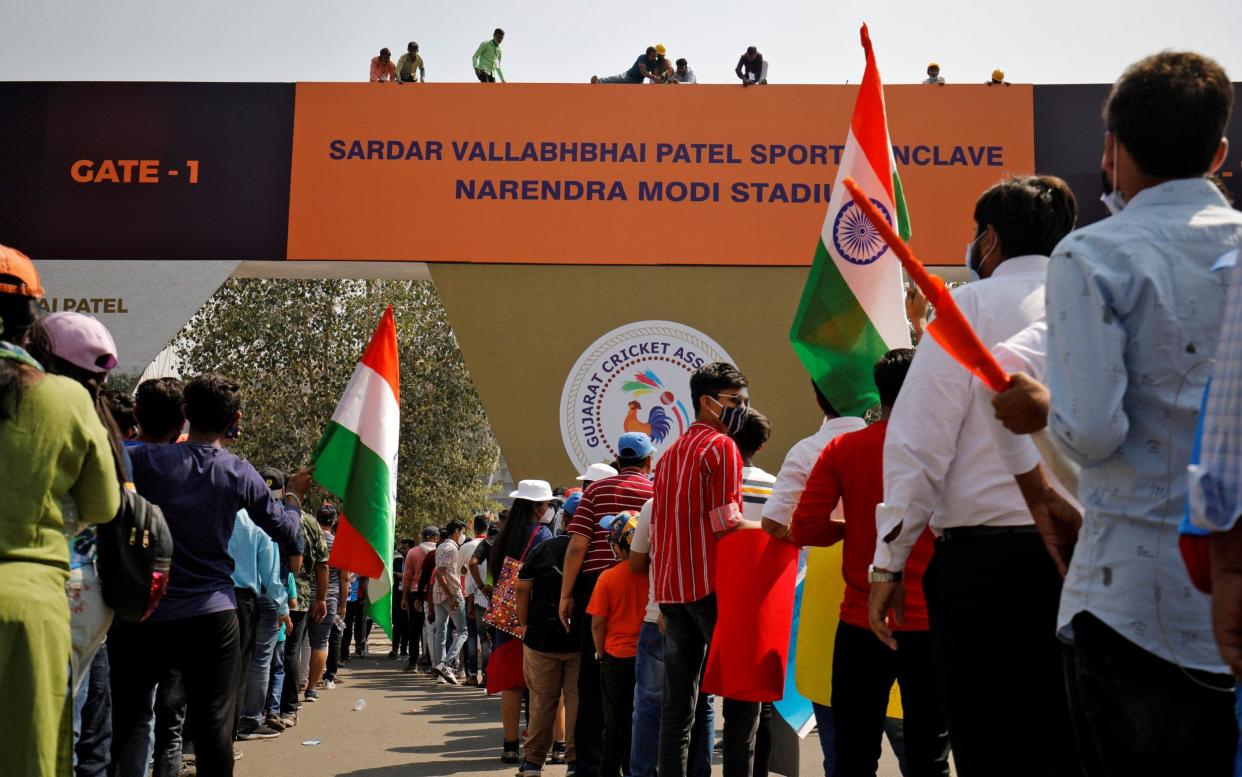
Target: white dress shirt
{"x": 797, "y": 467}
{"x": 940, "y": 465}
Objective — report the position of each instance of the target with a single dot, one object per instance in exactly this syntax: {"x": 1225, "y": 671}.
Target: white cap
{"x": 534, "y": 491}
{"x": 596, "y": 472}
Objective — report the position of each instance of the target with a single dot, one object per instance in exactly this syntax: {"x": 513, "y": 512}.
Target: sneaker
{"x": 557, "y": 756}
{"x": 237, "y": 754}
{"x": 273, "y": 721}
{"x": 258, "y": 732}
{"x": 330, "y": 685}
{"x": 528, "y": 769}
{"x": 445, "y": 675}
{"x": 510, "y": 753}
{"x": 392, "y": 654}
{"x": 312, "y": 694}
{"x": 290, "y": 720}
{"x": 572, "y": 770}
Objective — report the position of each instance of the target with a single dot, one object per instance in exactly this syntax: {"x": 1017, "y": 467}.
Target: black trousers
{"x": 357, "y": 626}
{"x": 293, "y": 641}
{"x": 589, "y": 725}
{"x": 170, "y": 719}
{"x": 992, "y": 600}
{"x": 247, "y": 617}
{"x": 334, "y": 647}
{"x": 1137, "y": 714}
{"x": 863, "y": 672}
{"x": 617, "y": 682}
{"x": 486, "y": 78}
{"x": 400, "y": 626}
{"x": 414, "y": 621}
{"x": 204, "y": 649}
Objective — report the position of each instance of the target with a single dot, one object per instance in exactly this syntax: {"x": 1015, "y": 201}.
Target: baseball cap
{"x": 274, "y": 478}
{"x": 635, "y": 445}
{"x": 571, "y": 502}
{"x": 81, "y": 340}
{"x": 431, "y": 531}
{"x": 18, "y": 265}
{"x": 620, "y": 527}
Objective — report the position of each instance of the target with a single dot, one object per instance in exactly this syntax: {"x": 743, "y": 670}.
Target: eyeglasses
{"x": 739, "y": 400}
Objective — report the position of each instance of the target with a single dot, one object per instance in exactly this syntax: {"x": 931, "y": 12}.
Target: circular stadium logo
{"x": 855, "y": 238}
{"x": 635, "y": 378}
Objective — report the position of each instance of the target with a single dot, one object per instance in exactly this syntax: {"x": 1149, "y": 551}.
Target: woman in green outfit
{"x": 52, "y": 445}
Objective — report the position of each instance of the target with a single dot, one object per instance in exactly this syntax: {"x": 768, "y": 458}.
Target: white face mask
{"x": 546, "y": 516}
{"x": 1114, "y": 201}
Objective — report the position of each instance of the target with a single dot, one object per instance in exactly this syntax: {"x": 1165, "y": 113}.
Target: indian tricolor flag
{"x": 356, "y": 460}
{"x": 852, "y": 308}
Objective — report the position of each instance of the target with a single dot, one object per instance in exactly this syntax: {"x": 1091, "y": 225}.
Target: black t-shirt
{"x": 544, "y": 631}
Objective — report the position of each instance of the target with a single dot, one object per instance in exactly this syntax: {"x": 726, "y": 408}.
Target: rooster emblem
{"x": 659, "y": 421}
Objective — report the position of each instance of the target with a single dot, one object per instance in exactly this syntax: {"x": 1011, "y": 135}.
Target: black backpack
{"x": 134, "y": 555}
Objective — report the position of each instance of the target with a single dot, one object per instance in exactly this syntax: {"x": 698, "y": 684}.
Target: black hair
{"x": 682, "y": 61}
{"x": 326, "y": 514}
{"x": 822, "y": 401}
{"x": 409, "y": 541}
{"x": 411, "y": 45}
{"x": 1030, "y": 213}
{"x": 211, "y": 402}
{"x": 651, "y": 50}
{"x": 754, "y": 434}
{"x": 481, "y": 522}
{"x": 1170, "y": 111}
{"x": 17, "y": 312}
{"x": 513, "y": 537}
{"x": 631, "y": 461}
{"x": 384, "y": 52}
{"x": 121, "y": 406}
{"x": 497, "y": 31}
{"x": 890, "y": 372}
{"x": 454, "y": 526}
{"x": 752, "y": 49}
{"x": 13, "y": 379}
{"x": 157, "y": 406}
{"x": 712, "y": 378}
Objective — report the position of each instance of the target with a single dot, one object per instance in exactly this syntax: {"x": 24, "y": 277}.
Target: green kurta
{"x": 54, "y": 447}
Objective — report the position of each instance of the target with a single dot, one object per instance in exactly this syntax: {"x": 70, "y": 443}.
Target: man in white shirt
{"x": 450, "y": 603}
{"x": 787, "y": 490}
{"x": 991, "y": 588}
{"x": 476, "y": 638}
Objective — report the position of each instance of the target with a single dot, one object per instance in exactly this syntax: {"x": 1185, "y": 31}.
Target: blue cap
{"x": 634, "y": 445}
{"x": 571, "y": 502}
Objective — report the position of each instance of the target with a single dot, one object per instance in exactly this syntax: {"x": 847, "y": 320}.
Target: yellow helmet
{"x": 659, "y": 47}
{"x": 998, "y": 75}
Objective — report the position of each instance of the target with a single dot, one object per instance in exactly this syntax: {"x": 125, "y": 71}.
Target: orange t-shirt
{"x": 621, "y": 597}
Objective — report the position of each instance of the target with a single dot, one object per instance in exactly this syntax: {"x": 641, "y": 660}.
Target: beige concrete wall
{"x": 522, "y": 327}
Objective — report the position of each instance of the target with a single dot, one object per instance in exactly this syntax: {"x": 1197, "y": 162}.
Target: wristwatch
{"x": 882, "y": 575}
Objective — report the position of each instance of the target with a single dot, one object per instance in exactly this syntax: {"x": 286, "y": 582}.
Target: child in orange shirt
{"x": 616, "y": 608}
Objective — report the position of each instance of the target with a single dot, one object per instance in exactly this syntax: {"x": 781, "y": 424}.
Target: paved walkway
{"x": 411, "y": 727}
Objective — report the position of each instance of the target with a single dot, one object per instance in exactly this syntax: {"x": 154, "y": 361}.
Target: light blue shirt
{"x": 256, "y": 563}
{"x": 1134, "y": 312}
{"x": 1216, "y": 483}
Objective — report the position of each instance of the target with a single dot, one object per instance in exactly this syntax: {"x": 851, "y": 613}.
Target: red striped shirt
{"x": 698, "y": 484}
{"x": 626, "y": 490}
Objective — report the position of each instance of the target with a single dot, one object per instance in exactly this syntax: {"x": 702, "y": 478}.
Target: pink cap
{"x": 81, "y": 340}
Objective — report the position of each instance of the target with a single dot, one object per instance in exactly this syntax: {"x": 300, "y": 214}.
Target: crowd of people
{"x": 652, "y": 66}
{"x": 1011, "y": 560}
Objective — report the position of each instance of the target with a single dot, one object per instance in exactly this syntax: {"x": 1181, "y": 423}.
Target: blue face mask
{"x": 969, "y": 262}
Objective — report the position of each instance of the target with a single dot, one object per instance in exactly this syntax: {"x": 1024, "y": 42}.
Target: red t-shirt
{"x": 621, "y": 597}
{"x": 626, "y": 490}
{"x": 851, "y": 470}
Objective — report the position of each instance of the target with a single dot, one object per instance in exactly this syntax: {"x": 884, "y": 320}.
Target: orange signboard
{"x": 590, "y": 174}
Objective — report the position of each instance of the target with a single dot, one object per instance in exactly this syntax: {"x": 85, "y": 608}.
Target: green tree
{"x": 293, "y": 345}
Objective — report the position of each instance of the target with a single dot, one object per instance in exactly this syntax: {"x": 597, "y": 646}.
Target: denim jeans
{"x": 648, "y": 692}
{"x": 443, "y": 615}
{"x": 259, "y": 674}
{"x": 276, "y": 680}
{"x": 472, "y": 646}
{"x": 92, "y": 720}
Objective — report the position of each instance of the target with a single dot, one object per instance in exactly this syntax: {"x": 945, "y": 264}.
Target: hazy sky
{"x": 806, "y": 41}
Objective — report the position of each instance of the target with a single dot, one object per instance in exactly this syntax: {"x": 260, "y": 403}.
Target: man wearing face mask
{"x": 1134, "y": 316}
{"x": 590, "y": 554}
{"x": 698, "y": 497}
{"x": 991, "y": 587}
